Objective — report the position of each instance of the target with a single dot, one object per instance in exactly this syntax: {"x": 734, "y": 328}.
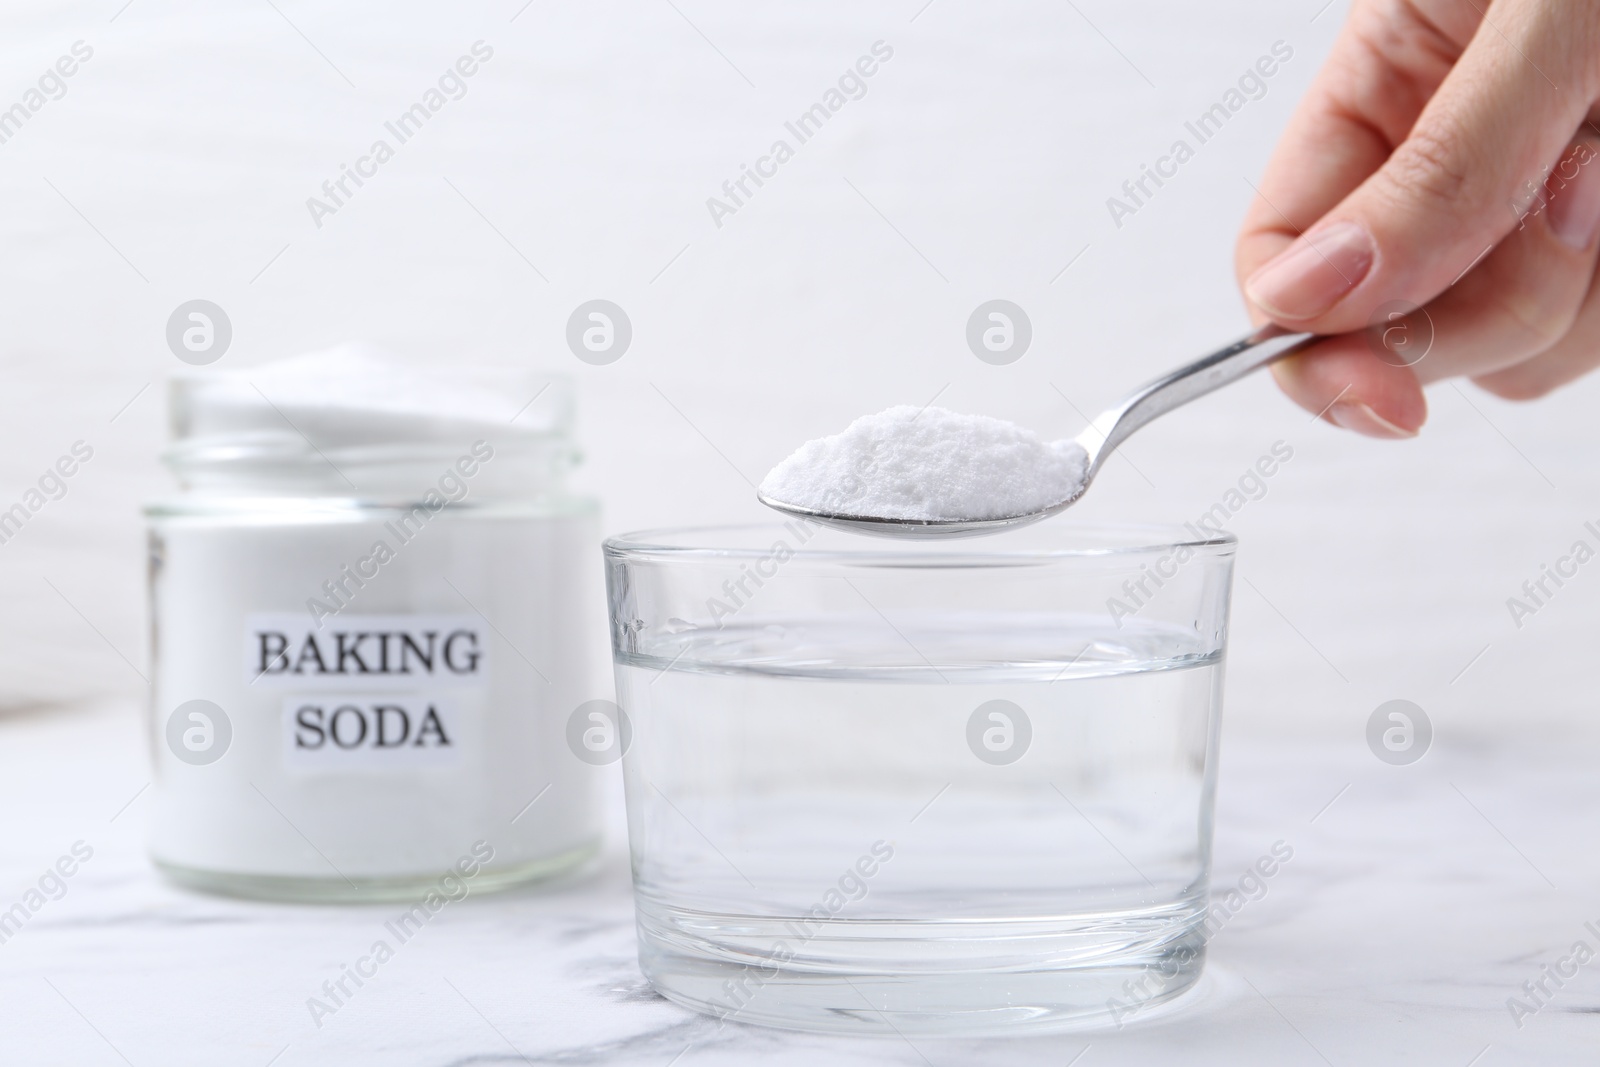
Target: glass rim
{"x": 1136, "y": 539}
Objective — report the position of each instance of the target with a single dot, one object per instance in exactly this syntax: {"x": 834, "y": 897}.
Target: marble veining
{"x": 1418, "y": 901}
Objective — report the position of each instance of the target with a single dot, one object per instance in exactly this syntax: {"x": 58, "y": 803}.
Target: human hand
{"x": 1444, "y": 157}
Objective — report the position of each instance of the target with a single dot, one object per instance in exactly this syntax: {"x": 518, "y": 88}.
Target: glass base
{"x": 925, "y": 978}
{"x": 358, "y": 890}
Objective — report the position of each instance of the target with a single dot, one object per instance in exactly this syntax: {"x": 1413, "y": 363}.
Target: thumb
{"x": 1454, "y": 187}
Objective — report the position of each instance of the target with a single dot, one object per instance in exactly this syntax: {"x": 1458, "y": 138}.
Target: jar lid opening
{"x": 353, "y": 416}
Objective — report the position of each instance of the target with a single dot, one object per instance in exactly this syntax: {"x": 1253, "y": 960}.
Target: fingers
{"x": 1385, "y": 65}
{"x": 1526, "y": 294}
{"x": 1445, "y": 195}
{"x": 1522, "y": 300}
{"x": 1576, "y": 355}
{"x": 1343, "y": 380}
{"x": 1573, "y": 356}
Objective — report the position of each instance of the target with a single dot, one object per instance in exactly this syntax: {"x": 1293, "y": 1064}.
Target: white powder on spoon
{"x": 928, "y": 464}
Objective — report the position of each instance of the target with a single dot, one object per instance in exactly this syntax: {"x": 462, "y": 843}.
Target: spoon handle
{"x": 1189, "y": 382}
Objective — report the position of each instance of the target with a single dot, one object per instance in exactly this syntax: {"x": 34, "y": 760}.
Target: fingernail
{"x": 1358, "y": 417}
{"x": 1311, "y": 275}
{"x": 1575, "y": 207}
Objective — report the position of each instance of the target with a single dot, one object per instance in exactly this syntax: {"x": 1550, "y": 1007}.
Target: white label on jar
{"x": 383, "y": 653}
{"x": 351, "y": 731}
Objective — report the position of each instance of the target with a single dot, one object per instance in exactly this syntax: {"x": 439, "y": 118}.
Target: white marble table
{"x": 1415, "y": 904}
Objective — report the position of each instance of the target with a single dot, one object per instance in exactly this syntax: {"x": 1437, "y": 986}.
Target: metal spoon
{"x": 1099, "y": 439}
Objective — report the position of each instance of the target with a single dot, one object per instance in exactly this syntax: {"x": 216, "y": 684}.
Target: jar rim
{"x": 359, "y": 400}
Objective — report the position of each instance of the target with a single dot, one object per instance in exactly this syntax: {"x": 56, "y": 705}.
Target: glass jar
{"x": 368, "y": 627}
{"x": 893, "y": 787}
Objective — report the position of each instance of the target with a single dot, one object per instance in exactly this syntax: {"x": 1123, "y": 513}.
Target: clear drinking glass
{"x": 920, "y": 787}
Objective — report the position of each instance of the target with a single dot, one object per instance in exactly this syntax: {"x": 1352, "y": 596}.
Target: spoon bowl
{"x": 918, "y": 529}
{"x": 1098, "y": 440}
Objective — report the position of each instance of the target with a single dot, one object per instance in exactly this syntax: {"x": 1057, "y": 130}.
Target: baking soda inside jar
{"x": 372, "y": 612}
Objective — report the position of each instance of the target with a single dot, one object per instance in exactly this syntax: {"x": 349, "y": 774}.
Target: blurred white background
{"x": 977, "y": 166}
